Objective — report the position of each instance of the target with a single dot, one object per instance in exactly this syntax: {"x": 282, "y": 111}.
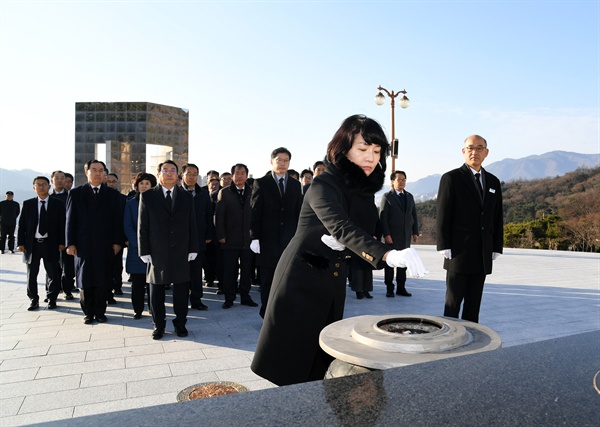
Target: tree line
{"x": 560, "y": 213}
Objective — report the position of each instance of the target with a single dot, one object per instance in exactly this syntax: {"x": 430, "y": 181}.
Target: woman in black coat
{"x": 309, "y": 286}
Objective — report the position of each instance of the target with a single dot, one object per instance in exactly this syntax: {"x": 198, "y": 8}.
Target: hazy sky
{"x": 256, "y": 75}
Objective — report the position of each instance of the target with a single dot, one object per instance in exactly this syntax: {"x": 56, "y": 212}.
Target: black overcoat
{"x": 167, "y": 234}
{"x": 94, "y": 225}
{"x": 401, "y": 224}
{"x": 309, "y": 286}
{"x": 203, "y": 208}
{"x": 28, "y": 222}
{"x": 470, "y": 227}
{"x": 232, "y": 217}
{"x": 273, "y": 219}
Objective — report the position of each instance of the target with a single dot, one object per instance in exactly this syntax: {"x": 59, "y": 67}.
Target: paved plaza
{"x": 53, "y": 366}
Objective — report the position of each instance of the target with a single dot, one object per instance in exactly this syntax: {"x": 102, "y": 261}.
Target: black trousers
{"x": 93, "y": 300}
{"x": 266, "y": 279}
{"x": 139, "y": 288}
{"x": 234, "y": 261}
{"x": 196, "y": 292}
{"x": 400, "y": 278}
{"x": 464, "y": 287}
{"x": 7, "y": 231}
{"x": 181, "y": 292}
{"x": 117, "y": 273}
{"x": 67, "y": 279}
{"x": 42, "y": 251}
{"x": 361, "y": 279}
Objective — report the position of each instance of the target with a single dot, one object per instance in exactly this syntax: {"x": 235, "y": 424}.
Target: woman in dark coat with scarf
{"x": 309, "y": 286}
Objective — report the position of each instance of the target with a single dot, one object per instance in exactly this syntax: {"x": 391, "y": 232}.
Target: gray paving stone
{"x": 11, "y": 406}
{"x": 38, "y": 417}
{"x": 169, "y": 384}
{"x": 70, "y": 367}
{"x": 123, "y": 352}
{"x": 124, "y": 375}
{"x": 40, "y": 386}
{"x": 121, "y": 405}
{"x": 65, "y": 399}
{"x": 39, "y": 361}
{"x": 18, "y": 375}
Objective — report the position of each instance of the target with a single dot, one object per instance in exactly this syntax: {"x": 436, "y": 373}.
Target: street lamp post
{"x": 404, "y": 103}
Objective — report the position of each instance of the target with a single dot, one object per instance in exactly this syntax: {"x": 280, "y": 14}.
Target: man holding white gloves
{"x": 469, "y": 229}
{"x": 168, "y": 241}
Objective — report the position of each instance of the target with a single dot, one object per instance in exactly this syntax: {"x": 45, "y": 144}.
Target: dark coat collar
{"x": 354, "y": 177}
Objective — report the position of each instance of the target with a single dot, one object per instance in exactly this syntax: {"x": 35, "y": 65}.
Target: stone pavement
{"x": 54, "y": 367}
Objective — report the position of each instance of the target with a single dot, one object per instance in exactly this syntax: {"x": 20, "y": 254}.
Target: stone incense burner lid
{"x": 389, "y": 341}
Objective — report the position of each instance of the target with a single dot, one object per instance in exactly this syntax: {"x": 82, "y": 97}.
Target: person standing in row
{"x": 112, "y": 181}
{"x": 469, "y": 229}
{"x": 133, "y": 264}
{"x": 399, "y": 225}
{"x": 232, "y": 219}
{"x": 94, "y": 234}
{"x": 168, "y": 241}
{"x": 204, "y": 226}
{"x": 42, "y": 236}
{"x": 9, "y": 211}
{"x": 275, "y": 207}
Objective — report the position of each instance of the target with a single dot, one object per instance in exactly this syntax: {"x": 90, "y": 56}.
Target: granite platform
{"x": 55, "y": 368}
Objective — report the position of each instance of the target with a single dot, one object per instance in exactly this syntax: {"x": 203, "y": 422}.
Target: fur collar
{"x": 355, "y": 179}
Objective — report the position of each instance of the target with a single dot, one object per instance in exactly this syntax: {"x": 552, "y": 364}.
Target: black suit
{"x": 232, "y": 219}
{"x": 273, "y": 221}
{"x": 9, "y": 211}
{"x": 399, "y": 221}
{"x": 471, "y": 226}
{"x": 205, "y": 227}
{"x": 67, "y": 262}
{"x": 94, "y": 225}
{"x": 46, "y": 248}
{"x": 168, "y": 233}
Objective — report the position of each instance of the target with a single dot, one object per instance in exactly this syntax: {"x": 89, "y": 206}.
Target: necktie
{"x": 43, "y": 225}
{"x": 241, "y": 192}
{"x": 281, "y": 188}
{"x": 169, "y": 199}
{"x": 477, "y": 175}
{"x": 96, "y": 191}
{"x": 402, "y": 200}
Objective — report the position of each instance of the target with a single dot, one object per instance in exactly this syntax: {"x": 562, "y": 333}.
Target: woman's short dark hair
{"x": 344, "y": 137}
{"x": 144, "y": 176}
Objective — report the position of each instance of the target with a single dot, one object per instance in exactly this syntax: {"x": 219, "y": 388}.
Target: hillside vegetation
{"x": 550, "y": 213}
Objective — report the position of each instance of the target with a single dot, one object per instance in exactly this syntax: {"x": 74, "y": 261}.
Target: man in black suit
{"x": 168, "y": 241}
{"x": 469, "y": 229}
{"x": 41, "y": 235}
{"x": 399, "y": 225}
{"x": 94, "y": 235}
{"x": 275, "y": 208}
{"x": 232, "y": 220}
{"x": 205, "y": 227}
{"x": 57, "y": 179}
{"x": 112, "y": 181}
{"x": 9, "y": 211}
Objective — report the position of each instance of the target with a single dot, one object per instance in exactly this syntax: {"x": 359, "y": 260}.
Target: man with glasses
{"x": 41, "y": 235}
{"x": 275, "y": 208}
{"x": 469, "y": 229}
{"x": 168, "y": 242}
{"x": 94, "y": 232}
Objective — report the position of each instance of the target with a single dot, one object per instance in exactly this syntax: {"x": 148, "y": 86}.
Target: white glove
{"x": 447, "y": 253}
{"x": 255, "y": 246}
{"x": 407, "y": 258}
{"x": 332, "y": 242}
{"x": 147, "y": 259}
{"x": 495, "y": 256}
{"x": 192, "y": 256}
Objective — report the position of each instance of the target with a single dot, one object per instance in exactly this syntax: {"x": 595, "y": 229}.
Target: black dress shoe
{"x": 219, "y": 292}
{"x": 181, "y": 331}
{"x": 200, "y": 306}
{"x": 111, "y": 301}
{"x": 227, "y": 304}
{"x": 118, "y": 292}
{"x": 360, "y": 295}
{"x": 390, "y": 294}
{"x": 368, "y": 295}
{"x": 210, "y": 284}
{"x": 137, "y": 316}
{"x": 158, "y": 333}
{"x": 45, "y": 299}
{"x": 249, "y": 302}
{"x": 88, "y": 320}
{"x": 33, "y": 306}
{"x": 403, "y": 293}
{"x": 51, "y": 305}
{"x": 69, "y": 297}
{"x": 75, "y": 290}
{"x": 101, "y": 318}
